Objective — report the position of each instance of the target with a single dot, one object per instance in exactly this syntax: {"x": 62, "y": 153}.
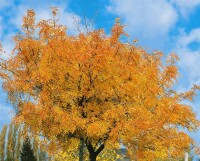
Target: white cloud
{"x": 150, "y": 18}
{"x": 189, "y": 58}
{"x": 148, "y": 21}
{"x": 189, "y": 63}
{"x": 186, "y": 39}
{"x": 186, "y": 6}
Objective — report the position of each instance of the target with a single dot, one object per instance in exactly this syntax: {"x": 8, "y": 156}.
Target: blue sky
{"x": 166, "y": 25}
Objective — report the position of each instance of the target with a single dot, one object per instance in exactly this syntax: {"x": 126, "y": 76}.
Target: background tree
{"x": 3, "y": 143}
{"x": 97, "y": 88}
{"x": 40, "y": 152}
{"x": 13, "y": 144}
{"x": 19, "y": 143}
{"x": 43, "y": 156}
{"x": 14, "y": 140}
{"x": 10, "y": 144}
{"x": 36, "y": 148}
{"x": 17, "y": 139}
{"x": 27, "y": 151}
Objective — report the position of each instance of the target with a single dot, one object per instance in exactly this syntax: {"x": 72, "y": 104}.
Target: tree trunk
{"x": 93, "y": 157}
{"x": 81, "y": 148}
{"x": 92, "y": 153}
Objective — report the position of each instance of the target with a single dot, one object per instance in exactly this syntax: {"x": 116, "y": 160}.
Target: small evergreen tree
{"x": 9, "y": 158}
{"x": 27, "y": 153}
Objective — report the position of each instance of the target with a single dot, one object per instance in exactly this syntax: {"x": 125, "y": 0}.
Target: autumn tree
{"x": 3, "y": 142}
{"x": 96, "y": 88}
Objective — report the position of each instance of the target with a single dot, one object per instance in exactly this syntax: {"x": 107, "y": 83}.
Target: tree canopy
{"x": 95, "y": 87}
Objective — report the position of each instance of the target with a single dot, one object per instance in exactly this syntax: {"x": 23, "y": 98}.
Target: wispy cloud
{"x": 147, "y": 20}
{"x": 185, "y": 7}
{"x": 153, "y": 19}
{"x": 185, "y": 39}
{"x": 188, "y": 49}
